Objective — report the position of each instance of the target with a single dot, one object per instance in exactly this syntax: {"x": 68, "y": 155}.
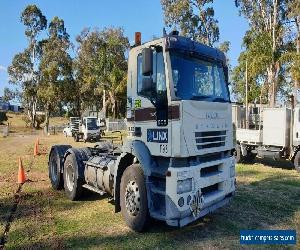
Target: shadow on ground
{"x": 268, "y": 203}
{"x": 283, "y": 164}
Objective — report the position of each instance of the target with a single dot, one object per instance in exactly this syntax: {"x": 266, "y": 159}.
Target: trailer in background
{"x": 267, "y": 133}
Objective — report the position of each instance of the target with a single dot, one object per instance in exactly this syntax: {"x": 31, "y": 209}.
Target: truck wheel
{"x": 133, "y": 198}
{"x": 250, "y": 157}
{"x": 297, "y": 161}
{"x": 238, "y": 154}
{"x": 55, "y": 166}
{"x": 72, "y": 184}
{"x": 76, "y": 138}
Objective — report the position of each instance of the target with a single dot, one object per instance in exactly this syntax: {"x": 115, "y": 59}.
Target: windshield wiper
{"x": 200, "y": 97}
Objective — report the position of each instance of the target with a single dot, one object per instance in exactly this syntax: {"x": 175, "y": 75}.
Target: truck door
{"x": 296, "y": 129}
{"x": 151, "y": 114}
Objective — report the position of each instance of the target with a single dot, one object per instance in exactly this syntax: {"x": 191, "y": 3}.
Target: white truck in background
{"x": 177, "y": 162}
{"x": 87, "y": 129}
{"x": 267, "y": 133}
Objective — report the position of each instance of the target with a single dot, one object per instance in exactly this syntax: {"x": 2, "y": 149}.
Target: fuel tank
{"x": 99, "y": 172}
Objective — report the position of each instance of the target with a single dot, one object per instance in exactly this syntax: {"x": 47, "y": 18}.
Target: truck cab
{"x": 90, "y": 128}
{"x": 179, "y": 111}
{"x": 177, "y": 162}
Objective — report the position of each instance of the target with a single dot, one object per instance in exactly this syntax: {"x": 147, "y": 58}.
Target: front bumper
{"x": 213, "y": 185}
{"x": 187, "y": 217}
{"x": 92, "y": 136}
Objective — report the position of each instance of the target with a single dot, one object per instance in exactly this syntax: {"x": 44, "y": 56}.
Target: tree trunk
{"x": 273, "y": 68}
{"x": 297, "y": 21}
{"x": 47, "y": 118}
{"x": 113, "y": 102}
{"x": 105, "y": 104}
{"x": 34, "y": 103}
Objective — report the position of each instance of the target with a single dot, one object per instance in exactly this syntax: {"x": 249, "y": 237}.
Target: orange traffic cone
{"x": 21, "y": 172}
{"x": 36, "y": 149}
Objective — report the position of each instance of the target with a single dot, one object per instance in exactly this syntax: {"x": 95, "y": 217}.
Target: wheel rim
{"x": 53, "y": 170}
{"x": 70, "y": 177}
{"x": 132, "y": 198}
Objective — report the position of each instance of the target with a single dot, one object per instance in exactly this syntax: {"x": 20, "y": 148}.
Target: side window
{"x": 159, "y": 77}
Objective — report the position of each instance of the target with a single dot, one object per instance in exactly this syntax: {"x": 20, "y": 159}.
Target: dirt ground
{"x": 267, "y": 197}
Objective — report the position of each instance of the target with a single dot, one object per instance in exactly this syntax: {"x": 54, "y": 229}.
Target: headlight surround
{"x": 184, "y": 186}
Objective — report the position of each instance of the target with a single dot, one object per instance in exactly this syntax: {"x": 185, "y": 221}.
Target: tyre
{"x": 249, "y": 158}
{"x": 297, "y": 161}
{"x": 72, "y": 182}
{"x": 133, "y": 198}
{"x": 238, "y": 154}
{"x": 55, "y": 166}
{"x": 76, "y": 138}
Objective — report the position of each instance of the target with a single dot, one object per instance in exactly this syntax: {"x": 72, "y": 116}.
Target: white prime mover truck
{"x": 267, "y": 133}
{"x": 177, "y": 163}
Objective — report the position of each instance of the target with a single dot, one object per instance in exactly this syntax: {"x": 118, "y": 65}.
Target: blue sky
{"x": 133, "y": 15}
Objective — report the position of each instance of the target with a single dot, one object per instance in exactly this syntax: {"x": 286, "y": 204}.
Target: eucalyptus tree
{"x": 56, "y": 82}
{"x": 294, "y": 56}
{"x": 101, "y": 67}
{"x": 24, "y": 68}
{"x": 267, "y": 21}
{"x": 193, "y": 18}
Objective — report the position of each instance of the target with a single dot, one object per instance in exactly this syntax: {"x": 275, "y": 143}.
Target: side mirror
{"x": 147, "y": 55}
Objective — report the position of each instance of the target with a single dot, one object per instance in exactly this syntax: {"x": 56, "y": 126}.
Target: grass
{"x": 266, "y": 198}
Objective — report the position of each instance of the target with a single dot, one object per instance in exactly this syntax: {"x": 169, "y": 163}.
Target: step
{"x": 96, "y": 190}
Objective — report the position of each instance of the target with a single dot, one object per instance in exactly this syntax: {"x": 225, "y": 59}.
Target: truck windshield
{"x": 92, "y": 124}
{"x": 195, "y": 79}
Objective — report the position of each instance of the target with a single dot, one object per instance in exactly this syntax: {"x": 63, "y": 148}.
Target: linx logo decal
{"x": 157, "y": 135}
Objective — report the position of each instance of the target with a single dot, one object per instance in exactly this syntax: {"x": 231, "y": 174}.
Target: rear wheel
{"x": 76, "y": 137}
{"x": 133, "y": 198}
{"x": 72, "y": 182}
{"x": 55, "y": 166}
{"x": 297, "y": 161}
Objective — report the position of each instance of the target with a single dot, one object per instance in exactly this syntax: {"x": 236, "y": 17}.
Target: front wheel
{"x": 297, "y": 161}
{"x": 133, "y": 200}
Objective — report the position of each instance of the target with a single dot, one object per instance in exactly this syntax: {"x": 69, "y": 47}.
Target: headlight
{"x": 184, "y": 186}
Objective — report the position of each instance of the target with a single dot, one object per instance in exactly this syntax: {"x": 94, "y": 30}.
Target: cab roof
{"x": 188, "y": 46}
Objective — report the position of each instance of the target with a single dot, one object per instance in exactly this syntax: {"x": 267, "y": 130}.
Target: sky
{"x": 132, "y": 15}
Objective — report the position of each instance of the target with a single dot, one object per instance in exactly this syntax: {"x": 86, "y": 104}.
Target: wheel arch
{"x": 81, "y": 155}
{"x": 295, "y": 151}
{"x": 133, "y": 152}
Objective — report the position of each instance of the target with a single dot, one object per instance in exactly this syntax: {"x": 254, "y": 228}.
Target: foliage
{"x": 101, "y": 65}
{"x": 39, "y": 120}
{"x": 56, "y": 84}
{"x": 265, "y": 44}
{"x": 26, "y": 120}
{"x": 3, "y": 117}
{"x": 24, "y": 68}
{"x": 193, "y": 18}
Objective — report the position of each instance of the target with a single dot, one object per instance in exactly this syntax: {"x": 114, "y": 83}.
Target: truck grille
{"x": 210, "y": 139}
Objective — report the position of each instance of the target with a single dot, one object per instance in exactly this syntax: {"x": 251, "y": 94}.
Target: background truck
{"x": 267, "y": 133}
{"x": 87, "y": 129}
{"x": 177, "y": 162}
